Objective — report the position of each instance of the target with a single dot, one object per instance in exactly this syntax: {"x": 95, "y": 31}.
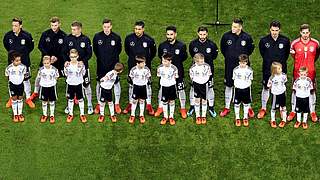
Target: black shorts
{"x": 75, "y": 91}
{"x": 86, "y": 78}
{"x": 302, "y": 105}
{"x": 278, "y": 101}
{"x": 48, "y": 93}
{"x": 105, "y": 95}
{"x": 16, "y": 90}
{"x": 200, "y": 90}
{"x": 139, "y": 92}
{"x": 180, "y": 84}
{"x": 168, "y": 93}
{"x": 242, "y": 96}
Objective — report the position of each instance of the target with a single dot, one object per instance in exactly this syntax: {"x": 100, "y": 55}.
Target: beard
{"x": 170, "y": 39}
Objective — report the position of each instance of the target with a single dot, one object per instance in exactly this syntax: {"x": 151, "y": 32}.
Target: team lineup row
{"x": 235, "y": 45}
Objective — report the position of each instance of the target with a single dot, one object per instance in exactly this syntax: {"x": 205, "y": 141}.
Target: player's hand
{"x": 292, "y": 51}
{"x": 53, "y": 59}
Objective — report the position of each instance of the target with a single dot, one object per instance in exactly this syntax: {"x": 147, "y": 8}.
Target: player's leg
{"x": 117, "y": 95}
{"x": 265, "y": 93}
{"x": 160, "y": 105}
{"x": 191, "y": 97}
{"x": 149, "y": 107}
{"x": 292, "y": 114}
{"x": 182, "y": 98}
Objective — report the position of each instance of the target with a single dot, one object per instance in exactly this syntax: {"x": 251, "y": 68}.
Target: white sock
{"x": 273, "y": 115}
{"x": 191, "y": 96}
{"x": 204, "y": 108}
{"x": 117, "y": 92}
{"x": 246, "y": 110}
{"x": 111, "y": 108}
{"x": 293, "y": 101}
{"x": 141, "y": 105}
{"x": 133, "y": 107}
{"x": 149, "y": 94}
{"x": 81, "y": 106}
{"x": 14, "y": 107}
{"x": 52, "y": 107}
{"x": 283, "y": 111}
{"x": 165, "y": 109}
{"x": 197, "y": 108}
{"x": 172, "y": 106}
{"x": 70, "y": 106}
{"x": 182, "y": 97}
{"x": 228, "y": 96}
{"x": 130, "y": 92}
{"x": 211, "y": 97}
{"x": 45, "y": 108}
{"x": 305, "y": 117}
{"x": 299, "y": 117}
{"x": 36, "y": 85}
{"x": 102, "y": 106}
{"x": 88, "y": 93}
{"x": 265, "y": 93}
{"x": 98, "y": 93}
{"x": 237, "y": 110}
{"x": 159, "y": 97}
{"x": 20, "y": 106}
{"x": 27, "y": 88}
{"x": 312, "y": 102}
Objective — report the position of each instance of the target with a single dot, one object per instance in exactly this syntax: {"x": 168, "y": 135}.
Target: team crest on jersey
{"x": 229, "y": 42}
{"x": 280, "y": 46}
{"x": 208, "y": 50}
{"x": 113, "y": 43}
{"x": 145, "y": 44}
{"x": 311, "y": 48}
{"x": 23, "y": 41}
{"x": 100, "y": 42}
{"x": 267, "y": 45}
{"x": 10, "y": 41}
{"x": 70, "y": 43}
{"x": 165, "y": 50}
{"x": 132, "y": 43}
{"x": 82, "y": 44}
{"x": 243, "y": 43}
{"x": 195, "y": 49}
{"x": 48, "y": 39}
{"x": 177, "y": 51}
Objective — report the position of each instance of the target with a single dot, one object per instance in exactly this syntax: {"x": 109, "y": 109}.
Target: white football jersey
{"x": 108, "y": 80}
{"x": 48, "y": 77}
{"x": 200, "y": 73}
{"x": 16, "y": 73}
{"x": 74, "y": 73}
{"x": 140, "y": 77}
{"x": 277, "y": 83}
{"x": 167, "y": 75}
{"x": 242, "y": 77}
{"x": 303, "y": 86}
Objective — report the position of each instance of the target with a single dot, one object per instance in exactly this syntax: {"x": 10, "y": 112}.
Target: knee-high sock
{"x": 172, "y": 106}
{"x": 246, "y": 110}
{"x": 149, "y": 94}
{"x": 98, "y": 91}
{"x": 52, "y": 107}
{"x": 265, "y": 93}
{"x": 141, "y": 105}
{"x": 299, "y": 117}
{"x": 70, "y": 106}
{"x": 283, "y": 111}
{"x": 204, "y": 108}
{"x": 130, "y": 92}
{"x": 117, "y": 93}
{"x": 293, "y": 102}
{"x": 36, "y": 85}
{"x": 312, "y": 102}
{"x": 165, "y": 109}
{"x": 15, "y": 107}
{"x": 81, "y": 106}
{"x": 159, "y": 97}
{"x": 237, "y": 110}
{"x": 45, "y": 108}
{"x": 191, "y": 96}
{"x": 305, "y": 117}
{"x": 228, "y": 96}
{"x": 102, "y": 106}
{"x": 273, "y": 115}
{"x": 27, "y": 88}
{"x": 133, "y": 107}
{"x": 197, "y": 108}
{"x": 88, "y": 93}
{"x": 182, "y": 97}
{"x": 211, "y": 97}
{"x": 111, "y": 108}
{"x": 20, "y": 106}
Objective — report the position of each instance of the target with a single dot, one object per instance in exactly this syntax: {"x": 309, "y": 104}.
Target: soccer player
{"x": 179, "y": 51}
{"x": 209, "y": 49}
{"x": 140, "y": 75}
{"x": 77, "y": 40}
{"x": 16, "y": 73}
{"x": 168, "y": 74}
{"x": 242, "y": 76}
{"x": 277, "y": 84}
{"x": 305, "y": 51}
{"x": 21, "y": 41}
{"x": 234, "y": 43}
{"x": 139, "y": 43}
{"x": 302, "y": 86}
{"x": 106, "y": 84}
{"x": 74, "y": 71}
{"x": 200, "y": 73}
{"x": 273, "y": 48}
{"x": 47, "y": 78}
{"x": 107, "y": 48}
{"x": 51, "y": 44}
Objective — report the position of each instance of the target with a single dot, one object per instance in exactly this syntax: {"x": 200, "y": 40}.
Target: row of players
{"x": 107, "y": 47}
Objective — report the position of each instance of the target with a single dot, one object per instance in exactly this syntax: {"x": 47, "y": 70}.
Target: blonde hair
{"x": 303, "y": 69}
{"x": 274, "y": 67}
{"x": 45, "y": 58}
{"x": 197, "y": 57}
{"x": 73, "y": 51}
{"x": 118, "y": 67}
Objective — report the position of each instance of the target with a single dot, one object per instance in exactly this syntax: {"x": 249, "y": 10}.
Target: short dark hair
{"x": 54, "y": 19}
{"x": 13, "y": 55}
{"x": 238, "y": 21}
{"x": 171, "y": 28}
{"x": 304, "y": 26}
{"x": 118, "y": 67}
{"x": 76, "y": 24}
{"x": 275, "y": 23}
{"x": 243, "y": 58}
{"x": 202, "y": 28}
{"x": 17, "y": 19}
{"x": 106, "y": 20}
{"x": 140, "y": 58}
{"x": 167, "y": 56}
{"x": 139, "y": 23}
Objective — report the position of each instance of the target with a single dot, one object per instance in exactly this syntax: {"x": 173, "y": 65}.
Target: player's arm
{"x": 6, "y": 43}
{"x": 65, "y": 50}
{"x": 160, "y": 52}
{"x": 95, "y": 45}
{"x": 119, "y": 46}
{"x": 191, "y": 46}
{"x": 269, "y": 84}
{"x": 191, "y": 74}
{"x": 30, "y": 43}
{"x": 214, "y": 51}
{"x": 262, "y": 48}
{"x": 88, "y": 50}
{"x": 250, "y": 45}
{"x": 153, "y": 49}
{"x": 287, "y": 49}
{"x": 127, "y": 45}
{"x": 184, "y": 54}
{"x": 41, "y": 45}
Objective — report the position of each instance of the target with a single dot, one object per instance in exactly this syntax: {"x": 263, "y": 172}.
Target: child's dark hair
{"x": 119, "y": 67}
{"x": 167, "y": 56}
{"x": 140, "y": 59}
{"x": 243, "y": 58}
{"x": 13, "y": 55}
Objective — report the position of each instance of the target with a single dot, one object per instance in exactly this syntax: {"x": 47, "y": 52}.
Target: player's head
{"x": 243, "y": 60}
{"x": 55, "y": 24}
{"x": 276, "y": 68}
{"x": 303, "y": 71}
{"x": 15, "y": 57}
{"x": 16, "y": 24}
{"x": 166, "y": 59}
{"x": 171, "y": 33}
{"x": 236, "y": 26}
{"x": 275, "y": 28}
{"x": 76, "y": 28}
{"x": 198, "y": 58}
{"x": 46, "y": 61}
{"x": 107, "y": 26}
{"x": 305, "y": 31}
{"x": 140, "y": 61}
{"x": 202, "y": 33}
{"x": 139, "y": 28}
{"x": 73, "y": 55}
{"x": 119, "y": 67}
